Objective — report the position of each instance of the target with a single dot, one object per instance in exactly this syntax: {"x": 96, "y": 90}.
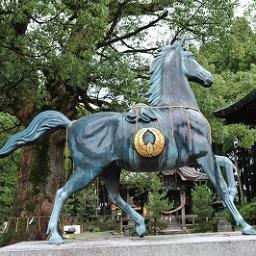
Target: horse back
{"x": 96, "y": 139}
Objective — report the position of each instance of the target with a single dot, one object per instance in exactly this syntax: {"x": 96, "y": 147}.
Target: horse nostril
{"x": 209, "y": 80}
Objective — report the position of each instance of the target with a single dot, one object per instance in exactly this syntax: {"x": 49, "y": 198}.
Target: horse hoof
{"x": 141, "y": 230}
{"x": 57, "y": 239}
{"x": 48, "y": 232}
{"x": 249, "y": 231}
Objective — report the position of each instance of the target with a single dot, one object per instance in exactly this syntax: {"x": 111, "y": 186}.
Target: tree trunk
{"x": 41, "y": 171}
{"x": 40, "y": 175}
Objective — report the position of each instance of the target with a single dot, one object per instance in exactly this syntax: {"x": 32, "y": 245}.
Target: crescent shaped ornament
{"x": 149, "y": 149}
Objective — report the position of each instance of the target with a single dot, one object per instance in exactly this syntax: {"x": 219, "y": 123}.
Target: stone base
{"x": 214, "y": 244}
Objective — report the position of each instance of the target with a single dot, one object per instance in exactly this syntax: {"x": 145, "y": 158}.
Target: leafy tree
{"x": 231, "y": 59}
{"x": 235, "y": 51}
{"x": 202, "y": 199}
{"x": 227, "y": 89}
{"x": 138, "y": 182}
{"x": 157, "y": 203}
{"x": 62, "y": 54}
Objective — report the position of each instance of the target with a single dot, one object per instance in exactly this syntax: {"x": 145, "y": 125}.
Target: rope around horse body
{"x": 177, "y": 106}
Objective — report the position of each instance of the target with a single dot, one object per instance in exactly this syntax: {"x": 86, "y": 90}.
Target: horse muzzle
{"x": 208, "y": 81}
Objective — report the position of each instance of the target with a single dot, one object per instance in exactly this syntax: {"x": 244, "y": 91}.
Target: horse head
{"x": 192, "y": 69}
{"x": 170, "y": 73}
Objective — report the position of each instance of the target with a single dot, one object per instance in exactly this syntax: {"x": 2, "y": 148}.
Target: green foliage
{"x": 202, "y": 199}
{"x": 235, "y": 51}
{"x": 13, "y": 237}
{"x": 17, "y": 232}
{"x": 138, "y": 182}
{"x": 8, "y": 168}
{"x": 231, "y": 59}
{"x": 157, "y": 203}
{"x": 228, "y": 217}
{"x": 83, "y": 203}
{"x": 80, "y": 44}
{"x": 205, "y": 19}
{"x": 102, "y": 225}
{"x": 248, "y": 211}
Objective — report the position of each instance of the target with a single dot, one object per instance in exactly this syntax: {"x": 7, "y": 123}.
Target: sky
{"x": 243, "y": 5}
{"x": 161, "y": 32}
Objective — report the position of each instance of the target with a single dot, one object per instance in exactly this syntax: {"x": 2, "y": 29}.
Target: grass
{"x": 92, "y": 235}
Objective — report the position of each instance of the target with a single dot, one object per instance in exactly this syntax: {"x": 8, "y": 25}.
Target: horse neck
{"x": 175, "y": 88}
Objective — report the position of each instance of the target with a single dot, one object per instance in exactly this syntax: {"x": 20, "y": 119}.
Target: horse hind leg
{"x": 81, "y": 178}
{"x": 111, "y": 179}
{"x": 229, "y": 168}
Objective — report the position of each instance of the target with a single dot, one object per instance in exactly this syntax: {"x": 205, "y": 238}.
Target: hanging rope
{"x": 7, "y": 227}
{"x": 16, "y": 225}
{"x": 28, "y": 221}
{"x": 66, "y": 143}
{"x": 39, "y": 224}
{"x": 27, "y": 225}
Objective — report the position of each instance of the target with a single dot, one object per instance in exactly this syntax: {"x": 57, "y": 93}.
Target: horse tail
{"x": 42, "y": 123}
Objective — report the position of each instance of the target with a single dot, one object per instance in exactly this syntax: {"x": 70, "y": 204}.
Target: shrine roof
{"x": 187, "y": 173}
{"x": 242, "y": 111}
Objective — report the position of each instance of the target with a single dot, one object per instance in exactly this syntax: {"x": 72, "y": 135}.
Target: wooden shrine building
{"x": 179, "y": 182}
{"x": 243, "y": 111}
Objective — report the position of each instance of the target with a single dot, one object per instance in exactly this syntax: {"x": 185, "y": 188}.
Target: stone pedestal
{"x": 216, "y": 244}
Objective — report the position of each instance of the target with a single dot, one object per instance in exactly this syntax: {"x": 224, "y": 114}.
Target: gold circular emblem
{"x": 149, "y": 149}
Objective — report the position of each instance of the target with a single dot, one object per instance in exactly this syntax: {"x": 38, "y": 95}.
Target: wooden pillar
{"x": 182, "y": 199}
{"x": 239, "y": 179}
{"x": 97, "y": 196}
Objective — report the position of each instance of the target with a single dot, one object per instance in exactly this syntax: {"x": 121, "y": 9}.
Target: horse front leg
{"x": 111, "y": 179}
{"x": 210, "y": 166}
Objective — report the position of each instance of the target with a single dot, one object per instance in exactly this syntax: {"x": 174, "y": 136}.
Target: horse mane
{"x": 155, "y": 76}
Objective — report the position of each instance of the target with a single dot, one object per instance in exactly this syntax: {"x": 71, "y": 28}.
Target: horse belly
{"x": 133, "y": 161}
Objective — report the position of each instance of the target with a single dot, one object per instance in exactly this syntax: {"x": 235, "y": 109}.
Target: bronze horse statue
{"x": 169, "y": 132}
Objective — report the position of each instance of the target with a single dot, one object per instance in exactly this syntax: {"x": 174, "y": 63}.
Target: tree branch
{"x": 133, "y": 33}
{"x": 146, "y": 50}
{"x": 9, "y": 128}
{"x": 116, "y": 18}
{"x": 139, "y": 8}
{"x": 144, "y": 77}
{"x": 186, "y": 24}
